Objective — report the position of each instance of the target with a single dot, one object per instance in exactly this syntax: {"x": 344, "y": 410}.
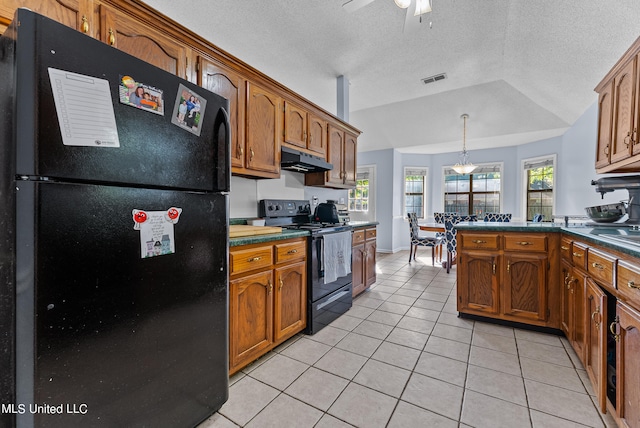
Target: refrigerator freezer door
{"x": 155, "y": 150}
{"x": 135, "y": 341}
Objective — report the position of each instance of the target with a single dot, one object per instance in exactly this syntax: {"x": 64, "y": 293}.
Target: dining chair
{"x": 538, "y": 218}
{"x": 422, "y": 241}
{"x": 450, "y": 235}
{"x": 501, "y": 217}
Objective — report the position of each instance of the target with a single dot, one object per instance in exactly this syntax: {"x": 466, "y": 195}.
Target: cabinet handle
{"x": 593, "y": 315}
{"x": 597, "y": 266}
{"x": 578, "y": 255}
{"x": 241, "y": 150}
{"x": 112, "y": 37}
{"x": 478, "y": 241}
{"x": 632, "y": 284}
{"x": 612, "y": 329}
{"x": 85, "y": 24}
{"x": 494, "y": 267}
{"x": 292, "y": 251}
{"x": 281, "y": 284}
{"x": 524, "y": 243}
{"x": 270, "y": 286}
{"x": 606, "y": 150}
{"x": 562, "y": 247}
{"x": 508, "y": 266}
{"x": 627, "y": 139}
{"x": 254, "y": 259}
{"x": 633, "y": 137}
{"x": 252, "y": 155}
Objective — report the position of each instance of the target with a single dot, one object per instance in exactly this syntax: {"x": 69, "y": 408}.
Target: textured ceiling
{"x": 524, "y": 70}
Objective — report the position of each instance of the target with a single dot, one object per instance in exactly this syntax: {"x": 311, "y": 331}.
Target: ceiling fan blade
{"x": 353, "y": 5}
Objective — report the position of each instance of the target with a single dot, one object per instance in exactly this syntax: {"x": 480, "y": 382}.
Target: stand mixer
{"x": 629, "y": 182}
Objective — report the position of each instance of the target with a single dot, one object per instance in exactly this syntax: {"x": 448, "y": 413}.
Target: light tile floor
{"x": 402, "y": 358}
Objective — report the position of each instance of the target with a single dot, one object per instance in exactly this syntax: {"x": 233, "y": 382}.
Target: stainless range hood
{"x": 294, "y": 160}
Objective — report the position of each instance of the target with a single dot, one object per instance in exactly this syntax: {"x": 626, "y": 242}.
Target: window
{"x": 539, "y": 180}
{"x": 359, "y": 197}
{"x": 414, "y": 191}
{"x": 475, "y": 193}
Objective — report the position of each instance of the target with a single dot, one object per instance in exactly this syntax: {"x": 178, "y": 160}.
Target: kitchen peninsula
{"x": 584, "y": 281}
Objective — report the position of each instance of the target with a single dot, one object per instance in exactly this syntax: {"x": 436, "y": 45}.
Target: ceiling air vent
{"x": 434, "y": 78}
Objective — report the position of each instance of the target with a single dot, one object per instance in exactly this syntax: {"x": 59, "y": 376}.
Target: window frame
{"x": 368, "y": 199}
{"x": 499, "y": 165}
{"x": 425, "y": 183}
{"x": 553, "y": 157}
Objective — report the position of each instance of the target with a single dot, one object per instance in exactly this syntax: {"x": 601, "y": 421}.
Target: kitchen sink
{"x": 627, "y": 239}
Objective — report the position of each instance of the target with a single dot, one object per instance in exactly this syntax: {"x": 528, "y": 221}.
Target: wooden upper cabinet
{"x": 295, "y": 125}
{"x": 350, "y": 164}
{"x": 78, "y": 14}
{"x": 130, "y": 35}
{"x": 262, "y": 132}
{"x": 224, "y": 82}
{"x": 605, "y": 126}
{"x": 317, "y": 135}
{"x": 624, "y": 107}
{"x": 335, "y": 155}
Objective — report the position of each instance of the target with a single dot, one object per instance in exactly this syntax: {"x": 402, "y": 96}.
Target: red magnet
{"x": 173, "y": 213}
{"x": 140, "y": 217}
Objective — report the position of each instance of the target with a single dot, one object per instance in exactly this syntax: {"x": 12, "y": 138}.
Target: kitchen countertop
{"x": 363, "y": 223}
{"x": 607, "y": 236}
{"x": 257, "y": 239}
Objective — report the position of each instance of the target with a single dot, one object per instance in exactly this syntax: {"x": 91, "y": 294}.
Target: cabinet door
{"x": 130, "y": 35}
{"x": 596, "y": 345}
{"x": 370, "y": 263}
{"x": 335, "y": 156}
{"x": 350, "y": 163}
{"x": 76, "y": 14}
{"x": 317, "y": 136}
{"x": 262, "y": 134}
{"x": 357, "y": 269}
{"x": 624, "y": 99}
{"x": 566, "y": 319}
{"x": 250, "y": 317}
{"x": 295, "y": 125}
{"x": 628, "y": 366}
{"x": 290, "y": 300}
{"x": 478, "y": 282}
{"x": 230, "y": 85}
{"x": 605, "y": 126}
{"x": 525, "y": 286}
{"x": 579, "y": 325}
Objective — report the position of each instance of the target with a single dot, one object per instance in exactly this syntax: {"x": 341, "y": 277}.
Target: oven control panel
{"x": 283, "y": 208}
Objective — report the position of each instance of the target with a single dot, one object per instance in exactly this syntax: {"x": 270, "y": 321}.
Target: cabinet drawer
{"x": 579, "y": 254}
{"x": 525, "y": 243}
{"x": 290, "y": 251}
{"x": 477, "y": 241}
{"x": 601, "y": 266}
{"x": 250, "y": 259}
{"x": 358, "y": 236}
{"x": 565, "y": 249}
{"x": 629, "y": 282}
{"x": 370, "y": 234}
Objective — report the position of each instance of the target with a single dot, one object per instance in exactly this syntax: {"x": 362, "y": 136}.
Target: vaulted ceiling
{"x": 524, "y": 70}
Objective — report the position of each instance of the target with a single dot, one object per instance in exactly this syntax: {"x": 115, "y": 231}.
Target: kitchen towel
{"x": 337, "y": 256}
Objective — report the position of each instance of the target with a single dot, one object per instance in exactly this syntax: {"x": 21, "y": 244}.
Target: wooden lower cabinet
{"x": 596, "y": 345}
{"x": 628, "y": 366}
{"x": 573, "y": 308}
{"x": 512, "y": 278}
{"x": 267, "y": 298}
{"x": 478, "y": 282}
{"x": 363, "y": 259}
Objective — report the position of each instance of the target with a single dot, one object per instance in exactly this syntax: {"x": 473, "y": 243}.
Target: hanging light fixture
{"x": 422, "y": 6}
{"x": 403, "y": 4}
{"x": 465, "y": 167}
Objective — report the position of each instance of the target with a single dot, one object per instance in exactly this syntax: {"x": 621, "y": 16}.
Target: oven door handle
{"x": 333, "y": 298}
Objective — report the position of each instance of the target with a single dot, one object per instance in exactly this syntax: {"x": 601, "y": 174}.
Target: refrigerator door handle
{"x": 222, "y": 134}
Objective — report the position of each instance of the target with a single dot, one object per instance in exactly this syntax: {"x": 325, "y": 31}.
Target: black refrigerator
{"x": 113, "y": 236}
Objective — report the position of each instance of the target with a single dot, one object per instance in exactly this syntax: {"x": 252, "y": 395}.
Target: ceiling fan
{"x": 415, "y": 11}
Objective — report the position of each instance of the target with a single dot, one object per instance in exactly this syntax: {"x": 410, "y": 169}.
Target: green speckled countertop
{"x": 256, "y": 239}
{"x": 607, "y": 236}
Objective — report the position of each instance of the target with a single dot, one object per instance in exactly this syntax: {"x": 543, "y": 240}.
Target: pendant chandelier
{"x": 464, "y": 166}
{"x": 422, "y": 6}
